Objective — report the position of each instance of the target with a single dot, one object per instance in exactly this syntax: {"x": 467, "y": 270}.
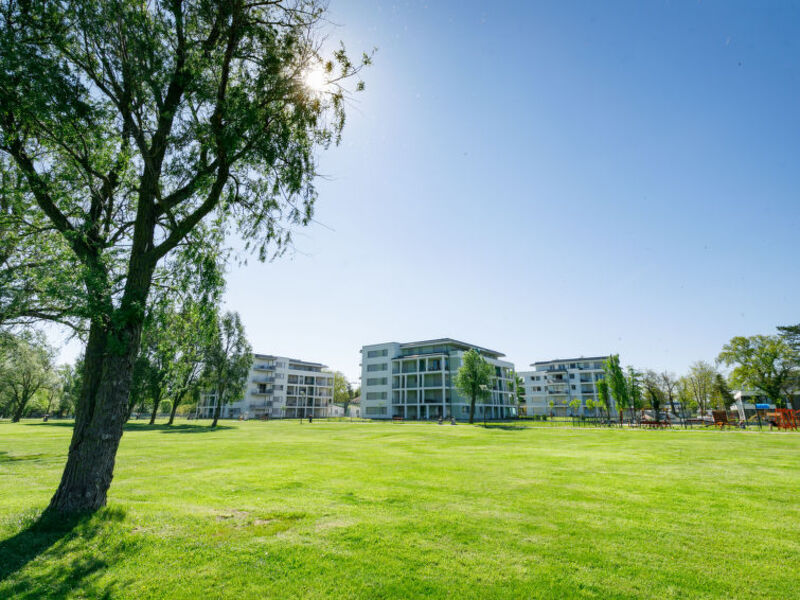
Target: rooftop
{"x": 567, "y": 360}
{"x": 454, "y": 342}
{"x": 289, "y": 359}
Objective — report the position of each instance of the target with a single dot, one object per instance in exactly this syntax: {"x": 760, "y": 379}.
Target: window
{"x": 376, "y": 395}
{"x": 375, "y": 410}
{"x": 377, "y": 353}
{"x": 377, "y": 367}
{"x": 377, "y": 381}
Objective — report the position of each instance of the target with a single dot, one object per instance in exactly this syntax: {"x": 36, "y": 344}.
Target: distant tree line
{"x": 766, "y": 364}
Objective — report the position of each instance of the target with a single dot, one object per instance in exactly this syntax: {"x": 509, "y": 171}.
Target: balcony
{"x": 263, "y": 367}
{"x": 262, "y": 379}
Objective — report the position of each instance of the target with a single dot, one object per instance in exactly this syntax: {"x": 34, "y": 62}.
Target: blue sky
{"x": 550, "y": 179}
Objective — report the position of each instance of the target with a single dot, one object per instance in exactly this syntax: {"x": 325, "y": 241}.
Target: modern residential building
{"x": 415, "y": 380}
{"x": 554, "y": 384}
{"x": 278, "y": 386}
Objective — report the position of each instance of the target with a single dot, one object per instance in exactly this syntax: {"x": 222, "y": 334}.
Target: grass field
{"x": 283, "y": 510}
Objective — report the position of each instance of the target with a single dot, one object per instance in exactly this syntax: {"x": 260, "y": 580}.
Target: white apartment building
{"x": 277, "y": 387}
{"x": 415, "y": 380}
{"x": 554, "y": 384}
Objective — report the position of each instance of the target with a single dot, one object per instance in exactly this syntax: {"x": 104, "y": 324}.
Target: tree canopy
{"x": 473, "y": 379}
{"x": 764, "y": 362}
{"x": 133, "y": 137}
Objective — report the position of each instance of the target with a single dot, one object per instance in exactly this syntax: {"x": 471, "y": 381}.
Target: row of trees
{"x": 187, "y": 350}
{"x": 769, "y": 364}
{"x": 29, "y": 380}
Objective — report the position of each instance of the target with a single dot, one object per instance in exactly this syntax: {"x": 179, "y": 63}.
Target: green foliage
{"x": 228, "y": 361}
{"x": 473, "y": 379}
{"x": 723, "y": 398}
{"x": 699, "y": 383}
{"x": 517, "y": 386}
{"x": 617, "y": 383}
{"x": 634, "y": 388}
{"x": 791, "y": 335}
{"x": 25, "y": 370}
{"x": 603, "y": 400}
{"x": 575, "y": 405}
{"x": 763, "y": 362}
{"x": 342, "y": 390}
{"x": 70, "y": 378}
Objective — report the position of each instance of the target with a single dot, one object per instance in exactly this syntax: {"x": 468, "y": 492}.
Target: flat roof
{"x": 560, "y": 360}
{"x": 451, "y": 341}
{"x": 290, "y": 359}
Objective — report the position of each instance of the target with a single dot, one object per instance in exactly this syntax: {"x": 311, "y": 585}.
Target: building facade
{"x": 278, "y": 387}
{"x": 553, "y": 385}
{"x": 416, "y": 380}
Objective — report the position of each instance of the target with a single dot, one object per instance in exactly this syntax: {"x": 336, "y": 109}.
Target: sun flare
{"x": 315, "y": 79}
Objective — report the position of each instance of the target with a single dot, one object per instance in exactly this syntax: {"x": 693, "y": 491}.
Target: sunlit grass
{"x": 280, "y": 509}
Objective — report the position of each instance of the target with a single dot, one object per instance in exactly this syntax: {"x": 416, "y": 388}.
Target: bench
{"x": 397, "y": 419}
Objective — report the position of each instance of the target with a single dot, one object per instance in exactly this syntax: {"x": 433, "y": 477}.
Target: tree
{"x": 634, "y": 390}
{"x": 228, "y": 362}
{"x": 575, "y": 405}
{"x": 193, "y": 334}
{"x": 764, "y": 362}
{"x": 700, "y": 384}
{"x": 591, "y": 405}
{"x": 723, "y": 398}
{"x": 603, "y": 400}
{"x": 342, "y": 390}
{"x": 158, "y": 350}
{"x": 791, "y": 335}
{"x": 617, "y": 383}
{"x": 686, "y": 397}
{"x": 669, "y": 385}
{"x": 654, "y": 394}
{"x": 131, "y": 135}
{"x": 473, "y": 379}
{"x": 70, "y": 377}
{"x": 28, "y": 369}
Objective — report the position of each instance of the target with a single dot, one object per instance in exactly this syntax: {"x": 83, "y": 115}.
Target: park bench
{"x": 397, "y": 419}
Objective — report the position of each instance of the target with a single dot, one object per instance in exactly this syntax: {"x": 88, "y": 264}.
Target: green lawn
{"x": 365, "y": 510}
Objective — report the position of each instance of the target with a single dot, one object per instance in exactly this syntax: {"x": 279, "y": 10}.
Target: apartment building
{"x": 415, "y": 380}
{"x": 277, "y": 387}
{"x": 553, "y": 384}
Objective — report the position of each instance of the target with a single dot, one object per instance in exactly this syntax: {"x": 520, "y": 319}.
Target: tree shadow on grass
{"x": 182, "y": 428}
{"x": 69, "y": 553}
{"x": 69, "y": 424}
{"x": 505, "y": 427}
{"x": 134, "y": 426}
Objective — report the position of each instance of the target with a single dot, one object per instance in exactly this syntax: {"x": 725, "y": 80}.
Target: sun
{"x": 315, "y": 79}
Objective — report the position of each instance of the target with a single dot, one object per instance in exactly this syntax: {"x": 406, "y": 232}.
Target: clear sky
{"x": 550, "y": 179}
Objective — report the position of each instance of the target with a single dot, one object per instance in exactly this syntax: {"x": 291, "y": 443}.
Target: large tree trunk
{"x": 103, "y": 405}
{"x": 175, "y": 402}
{"x": 19, "y": 411}
{"x": 99, "y": 419}
{"x": 217, "y": 408}
{"x": 472, "y": 410}
{"x": 156, "y": 402}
